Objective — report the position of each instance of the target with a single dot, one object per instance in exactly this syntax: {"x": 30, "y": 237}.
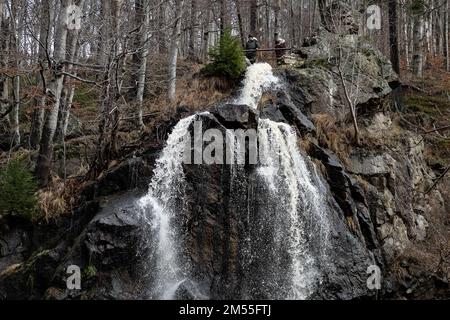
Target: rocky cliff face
{"x": 379, "y": 207}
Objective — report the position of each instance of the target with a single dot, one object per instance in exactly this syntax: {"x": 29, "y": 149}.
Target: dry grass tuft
{"x": 57, "y": 198}
{"x": 333, "y": 136}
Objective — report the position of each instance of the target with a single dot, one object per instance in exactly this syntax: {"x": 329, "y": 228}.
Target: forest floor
{"x": 427, "y": 112}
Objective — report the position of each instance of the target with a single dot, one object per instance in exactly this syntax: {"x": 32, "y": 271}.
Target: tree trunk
{"x": 348, "y": 98}
{"x": 192, "y": 31}
{"x": 105, "y": 32}
{"x": 322, "y": 9}
{"x": 68, "y": 87}
{"x": 173, "y": 54}
{"x": 253, "y": 17}
{"x": 294, "y": 22}
{"x": 39, "y": 102}
{"x": 393, "y": 35}
{"x": 417, "y": 61}
{"x": 4, "y": 58}
{"x": 44, "y": 160}
{"x": 106, "y": 149}
{"x": 240, "y": 23}
{"x": 206, "y": 36}
{"x": 16, "y": 28}
{"x": 224, "y": 16}
{"x": 277, "y": 10}
{"x": 142, "y": 54}
{"x": 446, "y": 35}
{"x": 16, "y": 122}
{"x": 161, "y": 37}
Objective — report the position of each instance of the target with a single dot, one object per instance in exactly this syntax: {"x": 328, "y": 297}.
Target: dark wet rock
{"x": 187, "y": 290}
{"x": 294, "y": 114}
{"x": 288, "y": 108}
{"x": 235, "y": 116}
{"x": 5, "y": 142}
{"x": 15, "y": 240}
{"x": 338, "y": 179}
{"x": 107, "y": 253}
{"x": 112, "y": 237}
{"x": 378, "y": 208}
{"x": 129, "y": 174}
{"x": 350, "y": 197}
{"x": 29, "y": 279}
{"x": 272, "y": 112}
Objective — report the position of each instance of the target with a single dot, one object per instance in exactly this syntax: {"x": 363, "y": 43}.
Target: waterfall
{"x": 258, "y": 78}
{"x": 161, "y": 205}
{"x": 276, "y": 252}
{"x": 294, "y": 207}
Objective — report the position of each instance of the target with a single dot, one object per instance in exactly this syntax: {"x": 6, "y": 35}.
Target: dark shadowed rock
{"x": 293, "y": 114}
{"x": 236, "y": 116}
{"x": 187, "y": 290}
{"x": 272, "y": 112}
{"x": 15, "y": 240}
{"x": 112, "y": 237}
{"x": 126, "y": 175}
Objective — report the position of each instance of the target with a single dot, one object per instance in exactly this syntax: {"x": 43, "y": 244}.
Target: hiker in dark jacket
{"x": 280, "y": 45}
{"x": 252, "y": 45}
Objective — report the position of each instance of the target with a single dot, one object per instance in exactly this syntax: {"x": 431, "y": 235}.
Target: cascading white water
{"x": 259, "y": 77}
{"x": 292, "y": 190}
{"x": 293, "y": 205}
{"x": 159, "y": 207}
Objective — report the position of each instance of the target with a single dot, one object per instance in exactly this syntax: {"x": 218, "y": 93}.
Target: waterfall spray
{"x": 297, "y": 203}
{"x": 289, "y": 210}
{"x": 259, "y": 77}
{"x": 161, "y": 205}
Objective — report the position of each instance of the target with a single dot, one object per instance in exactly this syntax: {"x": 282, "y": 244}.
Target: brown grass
{"x": 333, "y": 135}
{"x": 57, "y": 198}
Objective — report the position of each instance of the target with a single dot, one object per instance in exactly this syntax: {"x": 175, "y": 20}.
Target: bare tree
{"x": 393, "y": 35}
{"x": 68, "y": 86}
{"x": 446, "y": 35}
{"x": 173, "y": 53}
{"x": 54, "y": 89}
{"x": 46, "y": 15}
{"x": 253, "y": 17}
{"x": 418, "y": 34}
{"x": 351, "y": 105}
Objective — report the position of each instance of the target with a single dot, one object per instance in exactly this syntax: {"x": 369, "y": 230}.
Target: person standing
{"x": 280, "y": 48}
{"x": 251, "y": 48}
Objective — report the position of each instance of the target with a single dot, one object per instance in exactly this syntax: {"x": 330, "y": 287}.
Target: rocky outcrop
{"x": 380, "y": 211}
{"x": 316, "y": 71}
{"x": 15, "y": 240}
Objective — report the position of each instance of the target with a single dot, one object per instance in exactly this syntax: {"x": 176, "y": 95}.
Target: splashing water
{"x": 291, "y": 208}
{"x": 297, "y": 205}
{"x": 258, "y": 78}
{"x": 160, "y": 206}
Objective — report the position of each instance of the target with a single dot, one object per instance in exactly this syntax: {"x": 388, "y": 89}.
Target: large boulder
{"x": 235, "y": 116}
{"x": 316, "y": 71}
{"x": 15, "y": 240}
{"x": 112, "y": 237}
